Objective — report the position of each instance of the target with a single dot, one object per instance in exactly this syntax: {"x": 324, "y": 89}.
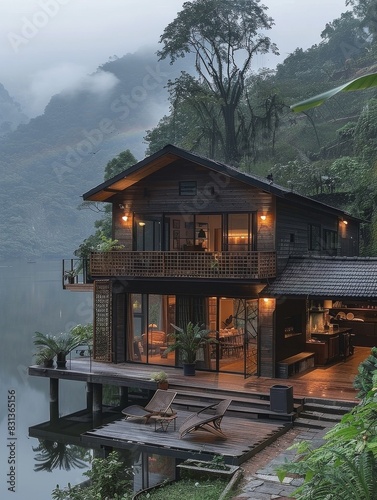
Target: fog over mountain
{"x": 50, "y": 161}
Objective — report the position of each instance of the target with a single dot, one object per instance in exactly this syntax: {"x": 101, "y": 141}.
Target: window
{"x": 330, "y": 241}
{"x": 314, "y": 233}
{"x": 187, "y": 188}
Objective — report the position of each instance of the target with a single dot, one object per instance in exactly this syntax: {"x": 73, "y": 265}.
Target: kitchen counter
{"x": 328, "y": 346}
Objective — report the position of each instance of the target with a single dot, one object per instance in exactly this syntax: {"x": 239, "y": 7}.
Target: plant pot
{"x": 189, "y": 369}
{"x": 61, "y": 360}
{"x": 200, "y": 468}
{"x": 163, "y": 385}
{"x": 48, "y": 363}
{"x": 71, "y": 280}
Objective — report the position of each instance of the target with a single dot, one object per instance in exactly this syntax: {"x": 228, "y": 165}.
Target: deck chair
{"x": 207, "y": 419}
{"x": 160, "y": 404}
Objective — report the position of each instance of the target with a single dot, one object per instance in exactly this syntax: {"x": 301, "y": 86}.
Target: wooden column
{"x": 54, "y": 399}
{"x": 267, "y": 350}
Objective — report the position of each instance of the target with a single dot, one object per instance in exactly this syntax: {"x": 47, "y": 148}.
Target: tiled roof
{"x": 333, "y": 277}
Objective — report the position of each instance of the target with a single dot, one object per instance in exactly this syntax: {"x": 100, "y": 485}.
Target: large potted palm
{"x": 188, "y": 341}
{"x": 61, "y": 344}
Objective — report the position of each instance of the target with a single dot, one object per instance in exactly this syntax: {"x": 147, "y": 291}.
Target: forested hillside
{"x": 48, "y": 163}
{"x": 330, "y": 152}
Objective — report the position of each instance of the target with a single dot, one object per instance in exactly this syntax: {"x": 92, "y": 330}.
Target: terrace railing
{"x": 156, "y": 264}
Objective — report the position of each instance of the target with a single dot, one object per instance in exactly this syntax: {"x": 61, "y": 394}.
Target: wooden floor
{"x": 246, "y": 435}
{"x": 245, "y": 438}
{"x": 334, "y": 382}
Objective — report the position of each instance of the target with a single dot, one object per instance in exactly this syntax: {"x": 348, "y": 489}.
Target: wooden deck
{"x": 332, "y": 382}
{"x": 249, "y": 423}
{"x": 245, "y": 438}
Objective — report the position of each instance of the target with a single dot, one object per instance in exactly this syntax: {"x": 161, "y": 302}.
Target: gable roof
{"x": 326, "y": 277}
{"x": 170, "y": 154}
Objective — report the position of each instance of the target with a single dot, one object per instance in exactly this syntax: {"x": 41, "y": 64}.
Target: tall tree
{"x": 223, "y": 35}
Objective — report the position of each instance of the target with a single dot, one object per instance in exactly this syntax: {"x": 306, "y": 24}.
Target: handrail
{"x": 183, "y": 264}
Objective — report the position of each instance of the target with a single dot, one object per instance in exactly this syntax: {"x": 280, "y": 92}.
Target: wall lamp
{"x": 263, "y": 217}
{"x": 124, "y": 216}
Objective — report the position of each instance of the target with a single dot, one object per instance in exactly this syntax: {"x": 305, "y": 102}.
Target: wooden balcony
{"x": 214, "y": 265}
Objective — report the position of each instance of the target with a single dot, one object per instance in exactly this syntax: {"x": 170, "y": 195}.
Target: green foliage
{"x": 346, "y": 465}
{"x": 108, "y": 245}
{"x": 120, "y": 163}
{"x": 223, "y": 36}
{"x": 188, "y": 489}
{"x": 367, "y": 371}
{"x": 109, "y": 480}
{"x": 189, "y": 340}
{"x": 159, "y": 376}
{"x": 64, "y": 342}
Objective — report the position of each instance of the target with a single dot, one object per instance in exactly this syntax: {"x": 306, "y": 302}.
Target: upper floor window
{"x": 330, "y": 241}
{"x": 314, "y": 237}
{"x": 187, "y": 188}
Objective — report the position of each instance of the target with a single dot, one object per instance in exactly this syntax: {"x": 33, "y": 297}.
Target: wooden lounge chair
{"x": 207, "y": 419}
{"x": 160, "y": 404}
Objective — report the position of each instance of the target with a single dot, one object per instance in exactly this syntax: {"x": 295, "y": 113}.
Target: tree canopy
{"x": 223, "y": 36}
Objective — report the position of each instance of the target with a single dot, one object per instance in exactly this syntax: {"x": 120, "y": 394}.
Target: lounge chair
{"x": 160, "y": 404}
{"x": 207, "y": 419}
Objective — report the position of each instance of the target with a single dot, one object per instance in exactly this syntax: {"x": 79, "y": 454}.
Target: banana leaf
{"x": 361, "y": 83}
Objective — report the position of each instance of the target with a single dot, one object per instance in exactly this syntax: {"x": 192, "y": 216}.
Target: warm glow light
{"x": 265, "y": 299}
{"x": 125, "y": 218}
{"x": 345, "y": 222}
{"x": 263, "y": 217}
{"x": 141, "y": 223}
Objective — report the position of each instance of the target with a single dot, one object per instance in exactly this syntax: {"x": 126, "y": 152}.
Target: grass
{"x": 188, "y": 489}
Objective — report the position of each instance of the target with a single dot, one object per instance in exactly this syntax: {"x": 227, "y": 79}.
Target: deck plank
{"x": 243, "y": 440}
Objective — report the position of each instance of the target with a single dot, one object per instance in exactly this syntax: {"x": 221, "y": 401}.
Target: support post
{"x": 123, "y": 393}
{"x": 89, "y": 396}
{"x": 54, "y": 399}
{"x": 97, "y": 404}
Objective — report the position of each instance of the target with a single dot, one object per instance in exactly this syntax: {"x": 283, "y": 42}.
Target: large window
{"x": 239, "y": 232}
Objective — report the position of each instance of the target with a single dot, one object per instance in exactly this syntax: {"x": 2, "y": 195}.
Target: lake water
{"x": 32, "y": 299}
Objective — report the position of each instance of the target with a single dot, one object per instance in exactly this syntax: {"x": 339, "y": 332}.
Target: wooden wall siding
{"x": 159, "y": 193}
{"x": 289, "y": 346}
{"x": 155, "y": 264}
{"x": 266, "y": 337}
{"x": 291, "y": 220}
{"x": 349, "y": 239}
{"x": 102, "y": 345}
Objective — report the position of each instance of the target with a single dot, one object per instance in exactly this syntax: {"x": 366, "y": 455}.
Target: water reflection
{"x": 52, "y": 455}
{"x": 32, "y": 299}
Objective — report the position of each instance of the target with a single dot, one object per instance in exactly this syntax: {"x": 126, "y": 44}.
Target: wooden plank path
{"x": 245, "y": 438}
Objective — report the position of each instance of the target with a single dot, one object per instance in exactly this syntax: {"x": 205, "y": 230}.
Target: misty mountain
{"x": 11, "y": 114}
{"x": 49, "y": 162}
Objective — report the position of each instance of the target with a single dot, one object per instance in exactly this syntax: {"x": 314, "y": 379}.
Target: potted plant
{"x": 70, "y": 276}
{"x": 161, "y": 378}
{"x": 45, "y": 357}
{"x": 61, "y": 345}
{"x": 188, "y": 341}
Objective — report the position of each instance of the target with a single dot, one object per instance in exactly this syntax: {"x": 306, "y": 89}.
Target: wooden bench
{"x": 295, "y": 364}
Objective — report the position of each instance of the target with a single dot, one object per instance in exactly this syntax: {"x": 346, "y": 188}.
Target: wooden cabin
{"x": 201, "y": 241}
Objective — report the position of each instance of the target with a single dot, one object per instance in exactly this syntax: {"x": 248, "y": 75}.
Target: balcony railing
{"x": 156, "y": 264}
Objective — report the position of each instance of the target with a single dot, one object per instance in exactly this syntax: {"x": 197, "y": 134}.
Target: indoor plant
{"x": 161, "y": 378}
{"x": 188, "y": 341}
